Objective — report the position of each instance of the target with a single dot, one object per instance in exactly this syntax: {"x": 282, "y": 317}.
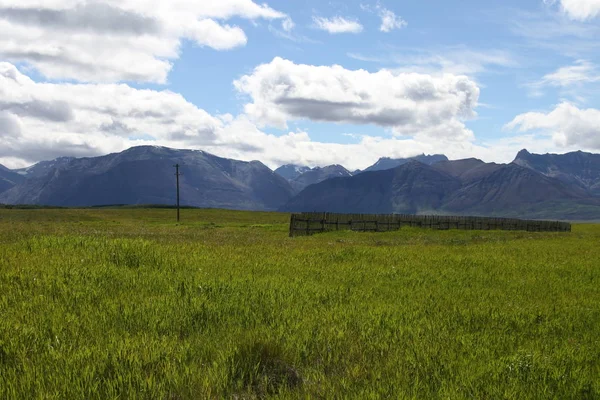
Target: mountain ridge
{"x": 389, "y": 163}
{"x": 467, "y": 186}
{"x": 145, "y": 175}
{"x": 534, "y": 185}
{"x": 578, "y": 168}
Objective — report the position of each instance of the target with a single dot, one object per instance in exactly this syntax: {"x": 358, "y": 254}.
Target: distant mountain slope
{"x": 291, "y": 171}
{"x": 411, "y": 188}
{"x": 467, "y": 170}
{"x": 533, "y": 186}
{"x": 467, "y": 187}
{"x": 389, "y": 163}
{"x": 40, "y": 169}
{"x": 145, "y": 175}
{"x": 511, "y": 186}
{"x": 8, "y": 178}
{"x": 317, "y": 175}
{"x": 578, "y": 168}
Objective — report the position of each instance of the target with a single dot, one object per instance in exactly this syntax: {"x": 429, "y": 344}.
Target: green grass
{"x": 120, "y": 304}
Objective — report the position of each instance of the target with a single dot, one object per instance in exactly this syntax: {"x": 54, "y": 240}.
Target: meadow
{"x": 126, "y": 304}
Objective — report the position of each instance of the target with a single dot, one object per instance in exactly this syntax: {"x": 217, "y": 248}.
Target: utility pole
{"x": 177, "y": 174}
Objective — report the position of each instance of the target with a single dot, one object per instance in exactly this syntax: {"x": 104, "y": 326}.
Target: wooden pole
{"x": 177, "y": 174}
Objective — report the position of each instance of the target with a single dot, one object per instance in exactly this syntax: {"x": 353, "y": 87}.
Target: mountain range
{"x": 145, "y": 175}
{"x": 552, "y": 186}
{"x": 466, "y": 187}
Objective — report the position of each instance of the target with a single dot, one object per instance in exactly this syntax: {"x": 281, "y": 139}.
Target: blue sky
{"x": 308, "y": 82}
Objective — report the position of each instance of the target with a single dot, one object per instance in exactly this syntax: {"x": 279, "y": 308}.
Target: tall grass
{"x": 107, "y": 304}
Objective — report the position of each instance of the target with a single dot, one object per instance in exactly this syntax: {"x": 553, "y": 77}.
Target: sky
{"x": 311, "y": 83}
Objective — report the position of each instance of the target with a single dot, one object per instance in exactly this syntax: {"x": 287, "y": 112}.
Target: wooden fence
{"x": 306, "y": 224}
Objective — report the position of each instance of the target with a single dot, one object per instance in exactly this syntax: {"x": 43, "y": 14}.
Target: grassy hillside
{"x": 102, "y": 304}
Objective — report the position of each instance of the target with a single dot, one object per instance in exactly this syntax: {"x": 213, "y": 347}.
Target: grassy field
{"x": 125, "y": 304}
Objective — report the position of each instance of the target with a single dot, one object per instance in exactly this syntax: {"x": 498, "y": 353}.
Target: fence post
{"x": 292, "y": 224}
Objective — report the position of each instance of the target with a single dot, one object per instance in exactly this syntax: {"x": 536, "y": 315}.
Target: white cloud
{"x": 455, "y": 60}
{"x": 458, "y": 60}
{"x": 581, "y": 9}
{"x": 411, "y": 104}
{"x": 124, "y": 40}
{"x": 212, "y": 34}
{"x": 580, "y": 73}
{"x": 555, "y": 32}
{"x": 573, "y": 81}
{"x": 10, "y": 125}
{"x": 569, "y": 125}
{"x": 41, "y": 121}
{"x": 337, "y": 25}
{"x": 390, "y": 21}
{"x": 288, "y": 24}
{"x": 88, "y": 119}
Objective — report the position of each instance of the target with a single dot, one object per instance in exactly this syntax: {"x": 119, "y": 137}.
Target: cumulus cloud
{"x": 569, "y": 125}
{"x": 242, "y": 139}
{"x": 580, "y": 9}
{"x": 96, "y": 119}
{"x": 337, "y": 25}
{"x": 10, "y": 125}
{"x": 411, "y": 104}
{"x": 124, "y": 40}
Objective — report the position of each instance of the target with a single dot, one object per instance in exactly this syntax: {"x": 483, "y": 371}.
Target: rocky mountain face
{"x": 301, "y": 177}
{"x": 511, "y": 186}
{"x": 317, "y": 175}
{"x": 411, "y": 188}
{"x": 465, "y": 187}
{"x": 42, "y": 168}
{"x": 468, "y": 170}
{"x": 145, "y": 175}
{"x": 577, "y": 168}
{"x": 291, "y": 171}
{"x": 389, "y": 163}
{"x": 9, "y": 178}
